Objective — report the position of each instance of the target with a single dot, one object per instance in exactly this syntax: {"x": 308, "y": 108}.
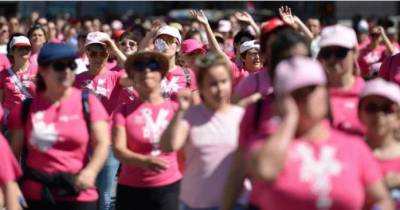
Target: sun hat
{"x": 55, "y": 51}
{"x": 171, "y": 31}
{"x": 248, "y": 45}
{"x": 297, "y": 72}
{"x": 96, "y": 37}
{"x": 20, "y": 41}
{"x": 192, "y": 45}
{"x": 148, "y": 56}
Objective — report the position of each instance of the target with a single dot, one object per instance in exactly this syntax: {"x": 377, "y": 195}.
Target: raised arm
{"x": 388, "y": 44}
{"x": 286, "y": 14}
{"x": 246, "y": 18}
{"x": 148, "y": 38}
{"x": 269, "y": 160}
{"x": 115, "y": 51}
{"x": 174, "y": 137}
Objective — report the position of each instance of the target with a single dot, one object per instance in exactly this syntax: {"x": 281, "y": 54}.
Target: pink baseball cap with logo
{"x": 381, "y": 87}
{"x": 96, "y": 37}
{"x": 296, "y": 73}
{"x": 338, "y": 35}
{"x": 192, "y": 45}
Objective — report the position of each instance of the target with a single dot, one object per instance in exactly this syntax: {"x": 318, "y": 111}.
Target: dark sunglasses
{"x": 23, "y": 48}
{"x": 93, "y": 54}
{"x": 387, "y": 108}
{"x": 62, "y": 65}
{"x": 375, "y": 35}
{"x": 140, "y": 66}
{"x": 337, "y": 52}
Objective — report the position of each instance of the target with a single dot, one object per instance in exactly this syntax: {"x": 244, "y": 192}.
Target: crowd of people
{"x": 185, "y": 116}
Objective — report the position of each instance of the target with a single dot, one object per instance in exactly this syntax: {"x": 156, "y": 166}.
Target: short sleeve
{"x": 14, "y": 120}
{"x": 9, "y": 168}
{"x": 369, "y": 168}
{"x": 97, "y": 110}
{"x": 119, "y": 116}
{"x": 385, "y": 68}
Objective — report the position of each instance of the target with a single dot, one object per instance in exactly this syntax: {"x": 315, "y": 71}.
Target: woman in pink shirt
{"x": 60, "y": 162}
{"x": 149, "y": 178}
{"x": 338, "y": 56}
{"x": 9, "y": 173}
{"x": 379, "y": 110}
{"x": 208, "y": 132}
{"x": 17, "y": 82}
{"x": 305, "y": 164}
{"x": 38, "y": 36}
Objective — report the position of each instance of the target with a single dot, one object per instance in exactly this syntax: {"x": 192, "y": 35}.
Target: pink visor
{"x": 192, "y": 45}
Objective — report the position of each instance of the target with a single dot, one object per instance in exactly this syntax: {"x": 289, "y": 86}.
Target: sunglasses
{"x": 375, "y": 35}
{"x": 140, "y": 66}
{"x": 128, "y": 43}
{"x": 94, "y": 54}
{"x": 60, "y": 66}
{"x": 168, "y": 39}
{"x": 387, "y": 108}
{"x": 337, "y": 52}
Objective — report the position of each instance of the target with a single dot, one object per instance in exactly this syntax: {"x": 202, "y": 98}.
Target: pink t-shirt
{"x": 104, "y": 85}
{"x": 175, "y": 81}
{"x": 368, "y": 57}
{"x": 9, "y": 167}
{"x": 144, "y": 124}
{"x": 53, "y": 146}
{"x": 12, "y": 95}
{"x": 344, "y": 108}
{"x": 238, "y": 73}
{"x": 33, "y": 58}
{"x": 253, "y": 83}
{"x": 213, "y": 138}
{"x": 331, "y": 174}
{"x": 390, "y": 69}
{"x": 4, "y": 62}
{"x": 392, "y": 165}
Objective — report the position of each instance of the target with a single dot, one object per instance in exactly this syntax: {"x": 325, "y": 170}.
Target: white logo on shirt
{"x": 100, "y": 90}
{"x": 169, "y": 87}
{"x": 318, "y": 172}
{"x": 43, "y": 136}
{"x": 153, "y": 130}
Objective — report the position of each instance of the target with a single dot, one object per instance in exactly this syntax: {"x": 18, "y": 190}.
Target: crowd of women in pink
{"x": 278, "y": 115}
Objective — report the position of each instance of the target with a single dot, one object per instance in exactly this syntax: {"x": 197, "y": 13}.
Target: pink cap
{"x": 338, "y": 35}
{"x": 382, "y": 88}
{"x": 297, "y": 72}
{"x": 96, "y": 38}
{"x": 171, "y": 31}
{"x": 191, "y": 45}
{"x": 20, "y": 41}
{"x": 224, "y": 26}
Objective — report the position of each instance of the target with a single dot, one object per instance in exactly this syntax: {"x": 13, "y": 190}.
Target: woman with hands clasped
{"x": 208, "y": 133}
{"x": 149, "y": 178}
{"x": 307, "y": 164}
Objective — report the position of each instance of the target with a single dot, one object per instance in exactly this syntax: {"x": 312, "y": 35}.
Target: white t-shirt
{"x": 213, "y": 137}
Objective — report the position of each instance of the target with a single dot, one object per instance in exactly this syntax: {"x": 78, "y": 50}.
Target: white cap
{"x": 96, "y": 38}
{"x": 224, "y": 26}
{"x": 116, "y": 25}
{"x": 382, "y": 88}
{"x": 363, "y": 26}
{"x": 20, "y": 41}
{"x": 171, "y": 31}
{"x": 338, "y": 35}
{"x": 248, "y": 45}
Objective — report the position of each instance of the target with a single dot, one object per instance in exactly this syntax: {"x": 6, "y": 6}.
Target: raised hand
{"x": 199, "y": 16}
{"x": 184, "y": 99}
{"x": 155, "y": 25}
{"x": 244, "y": 17}
{"x": 286, "y": 14}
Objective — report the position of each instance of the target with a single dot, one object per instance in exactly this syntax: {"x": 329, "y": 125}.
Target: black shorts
{"x": 41, "y": 205}
{"x": 157, "y": 198}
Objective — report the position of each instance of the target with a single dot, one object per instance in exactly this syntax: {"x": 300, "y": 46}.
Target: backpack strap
{"x": 86, "y": 108}
{"x": 188, "y": 78}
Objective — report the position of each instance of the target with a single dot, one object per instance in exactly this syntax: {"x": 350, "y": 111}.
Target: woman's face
{"x": 190, "y": 58}
{"x": 312, "y": 102}
{"x": 379, "y": 115}
{"x": 4, "y": 34}
{"x": 38, "y": 38}
{"x": 23, "y": 53}
{"x": 216, "y": 86}
{"x": 172, "y": 45}
{"x": 97, "y": 55}
{"x": 128, "y": 46}
{"x": 59, "y": 74}
{"x": 337, "y": 61}
{"x": 252, "y": 61}
{"x": 147, "y": 77}
{"x": 375, "y": 35}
